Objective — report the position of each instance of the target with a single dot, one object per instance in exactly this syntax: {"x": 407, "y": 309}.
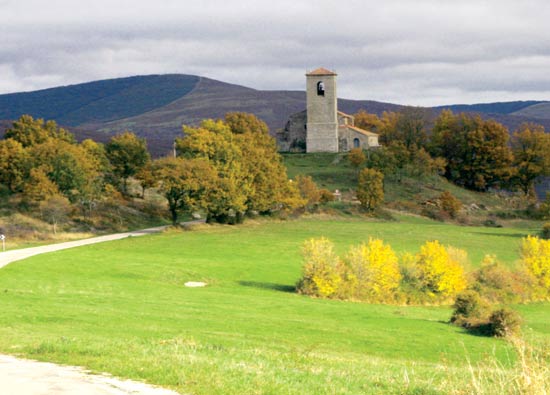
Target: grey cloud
{"x": 422, "y": 52}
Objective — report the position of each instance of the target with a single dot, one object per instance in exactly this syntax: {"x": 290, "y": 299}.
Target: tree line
{"x": 225, "y": 168}
{"x": 471, "y": 152}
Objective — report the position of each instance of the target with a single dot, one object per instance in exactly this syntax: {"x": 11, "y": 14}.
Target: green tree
{"x": 214, "y": 142}
{"x": 411, "y": 127}
{"x": 97, "y": 152}
{"x": 39, "y": 187}
{"x": 128, "y": 154}
{"x": 13, "y": 164}
{"x": 69, "y": 166}
{"x": 185, "y": 183}
{"x": 29, "y": 131}
{"x": 476, "y": 150}
{"x": 367, "y": 121}
{"x": 262, "y": 165}
{"x": 531, "y": 149}
{"x": 370, "y": 188}
{"x": 147, "y": 179}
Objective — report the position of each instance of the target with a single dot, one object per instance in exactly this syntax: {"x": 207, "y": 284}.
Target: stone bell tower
{"x": 322, "y": 111}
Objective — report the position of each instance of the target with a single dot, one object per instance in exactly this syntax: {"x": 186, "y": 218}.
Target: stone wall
{"x": 322, "y": 121}
{"x": 293, "y": 137}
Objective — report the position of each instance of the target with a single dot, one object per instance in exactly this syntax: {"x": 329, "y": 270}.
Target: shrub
{"x": 450, "y": 204}
{"x": 504, "y": 323}
{"x": 439, "y": 273}
{"x": 373, "y": 271}
{"x": 535, "y": 256}
{"x": 356, "y": 157}
{"x": 308, "y": 190}
{"x": 498, "y": 284}
{"x": 545, "y": 232}
{"x": 321, "y": 270}
{"x": 325, "y": 196}
{"x": 470, "y": 310}
{"x": 435, "y": 213}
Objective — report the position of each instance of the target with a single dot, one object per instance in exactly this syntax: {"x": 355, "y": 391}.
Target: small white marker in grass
{"x": 195, "y": 284}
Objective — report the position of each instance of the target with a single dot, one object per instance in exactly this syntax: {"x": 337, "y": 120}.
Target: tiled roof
{"x": 344, "y": 114}
{"x": 359, "y": 130}
{"x": 321, "y": 71}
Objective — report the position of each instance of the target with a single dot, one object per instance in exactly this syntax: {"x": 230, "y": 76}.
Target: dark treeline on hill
{"x": 469, "y": 151}
{"x": 224, "y": 168}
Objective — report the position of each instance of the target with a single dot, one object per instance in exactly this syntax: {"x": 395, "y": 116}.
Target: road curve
{"x": 26, "y": 377}
{"x": 17, "y": 255}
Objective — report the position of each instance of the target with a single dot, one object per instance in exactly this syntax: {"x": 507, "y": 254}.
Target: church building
{"x": 321, "y": 127}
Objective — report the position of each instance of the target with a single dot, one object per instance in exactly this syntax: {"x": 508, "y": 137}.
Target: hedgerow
{"x": 372, "y": 272}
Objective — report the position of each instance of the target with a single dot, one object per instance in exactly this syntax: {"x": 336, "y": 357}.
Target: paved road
{"x": 17, "y": 255}
{"x": 25, "y": 377}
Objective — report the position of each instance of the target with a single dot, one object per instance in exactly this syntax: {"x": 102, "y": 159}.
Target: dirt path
{"x": 25, "y": 377}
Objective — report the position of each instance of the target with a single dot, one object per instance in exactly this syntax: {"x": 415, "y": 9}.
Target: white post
{"x": 3, "y": 238}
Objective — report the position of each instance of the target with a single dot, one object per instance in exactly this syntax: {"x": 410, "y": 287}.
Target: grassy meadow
{"x": 121, "y": 307}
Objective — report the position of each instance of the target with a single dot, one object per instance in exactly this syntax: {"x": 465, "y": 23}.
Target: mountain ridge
{"x": 156, "y": 106}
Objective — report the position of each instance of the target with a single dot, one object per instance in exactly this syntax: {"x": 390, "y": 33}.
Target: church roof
{"x": 321, "y": 71}
{"x": 359, "y": 130}
{"x": 344, "y": 114}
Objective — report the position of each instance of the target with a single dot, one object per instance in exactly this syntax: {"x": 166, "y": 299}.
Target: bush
{"x": 439, "y": 273}
{"x": 470, "y": 310}
{"x": 325, "y": 196}
{"x": 504, "y": 323}
{"x": 322, "y": 269}
{"x": 535, "y": 256}
{"x": 308, "y": 190}
{"x": 373, "y": 271}
{"x": 450, "y": 204}
{"x": 545, "y": 232}
{"x": 498, "y": 284}
{"x": 435, "y": 213}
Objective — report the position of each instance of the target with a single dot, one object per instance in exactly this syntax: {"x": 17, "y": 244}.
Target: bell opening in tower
{"x": 320, "y": 88}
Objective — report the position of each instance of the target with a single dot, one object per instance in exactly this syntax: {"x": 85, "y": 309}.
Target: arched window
{"x": 321, "y": 88}
{"x": 356, "y": 143}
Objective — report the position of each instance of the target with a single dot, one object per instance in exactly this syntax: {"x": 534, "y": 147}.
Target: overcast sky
{"x": 419, "y": 52}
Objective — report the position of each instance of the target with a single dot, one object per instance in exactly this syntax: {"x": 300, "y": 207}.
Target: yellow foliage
{"x": 535, "y": 255}
{"x": 440, "y": 273}
{"x": 374, "y": 270}
{"x": 321, "y": 270}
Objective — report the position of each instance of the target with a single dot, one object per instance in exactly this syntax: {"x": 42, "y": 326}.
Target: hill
{"x": 98, "y": 101}
{"x": 539, "y": 111}
{"x": 155, "y": 106}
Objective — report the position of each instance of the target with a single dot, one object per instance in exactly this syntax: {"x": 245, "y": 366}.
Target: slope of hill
{"x": 98, "y": 101}
{"x": 492, "y": 108}
{"x": 540, "y": 111}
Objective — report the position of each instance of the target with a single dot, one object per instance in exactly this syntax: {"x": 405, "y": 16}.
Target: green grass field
{"x": 121, "y": 307}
